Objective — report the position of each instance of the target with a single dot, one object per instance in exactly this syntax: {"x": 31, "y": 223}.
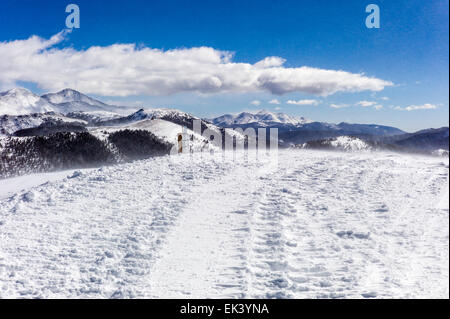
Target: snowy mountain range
{"x": 71, "y": 103}
{"x": 28, "y": 114}
{"x": 297, "y": 126}
{"x": 261, "y": 119}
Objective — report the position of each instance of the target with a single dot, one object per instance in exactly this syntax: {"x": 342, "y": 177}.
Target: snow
{"x": 11, "y": 186}
{"x": 166, "y": 130}
{"x": 320, "y": 225}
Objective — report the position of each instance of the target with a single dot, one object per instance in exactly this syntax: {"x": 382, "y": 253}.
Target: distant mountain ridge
{"x": 296, "y": 129}
{"x": 430, "y": 141}
{"x": 263, "y": 119}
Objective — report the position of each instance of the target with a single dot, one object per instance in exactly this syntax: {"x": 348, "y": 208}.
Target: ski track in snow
{"x": 321, "y": 225}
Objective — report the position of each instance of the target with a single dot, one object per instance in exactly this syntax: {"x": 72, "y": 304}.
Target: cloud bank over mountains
{"x": 126, "y": 69}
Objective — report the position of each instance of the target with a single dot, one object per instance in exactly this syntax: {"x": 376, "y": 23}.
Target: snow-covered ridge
{"x": 94, "y": 116}
{"x": 9, "y": 124}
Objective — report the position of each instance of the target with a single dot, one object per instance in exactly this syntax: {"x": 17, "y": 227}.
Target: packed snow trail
{"x": 321, "y": 225}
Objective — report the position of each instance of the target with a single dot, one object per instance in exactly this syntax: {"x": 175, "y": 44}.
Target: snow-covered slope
{"x": 21, "y": 101}
{"x": 321, "y": 225}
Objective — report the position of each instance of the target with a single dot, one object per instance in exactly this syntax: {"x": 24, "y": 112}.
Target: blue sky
{"x": 410, "y": 49}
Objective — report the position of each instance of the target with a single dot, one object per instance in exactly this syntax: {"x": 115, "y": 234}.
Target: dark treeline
{"x": 66, "y": 150}
{"x": 138, "y": 144}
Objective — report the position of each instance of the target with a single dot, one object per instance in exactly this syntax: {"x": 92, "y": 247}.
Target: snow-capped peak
{"x": 19, "y": 101}
{"x": 69, "y": 95}
{"x": 17, "y": 91}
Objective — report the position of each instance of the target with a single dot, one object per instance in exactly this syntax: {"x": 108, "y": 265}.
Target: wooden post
{"x": 180, "y": 143}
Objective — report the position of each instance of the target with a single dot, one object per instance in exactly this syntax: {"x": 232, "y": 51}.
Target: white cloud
{"x": 339, "y": 106}
{"x": 126, "y": 69}
{"x": 255, "y": 103}
{"x": 426, "y": 106}
{"x": 277, "y": 108}
{"x": 366, "y": 103}
{"x": 378, "y": 107}
{"x": 384, "y": 98}
{"x": 303, "y": 102}
{"x": 269, "y": 62}
{"x": 274, "y": 101}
